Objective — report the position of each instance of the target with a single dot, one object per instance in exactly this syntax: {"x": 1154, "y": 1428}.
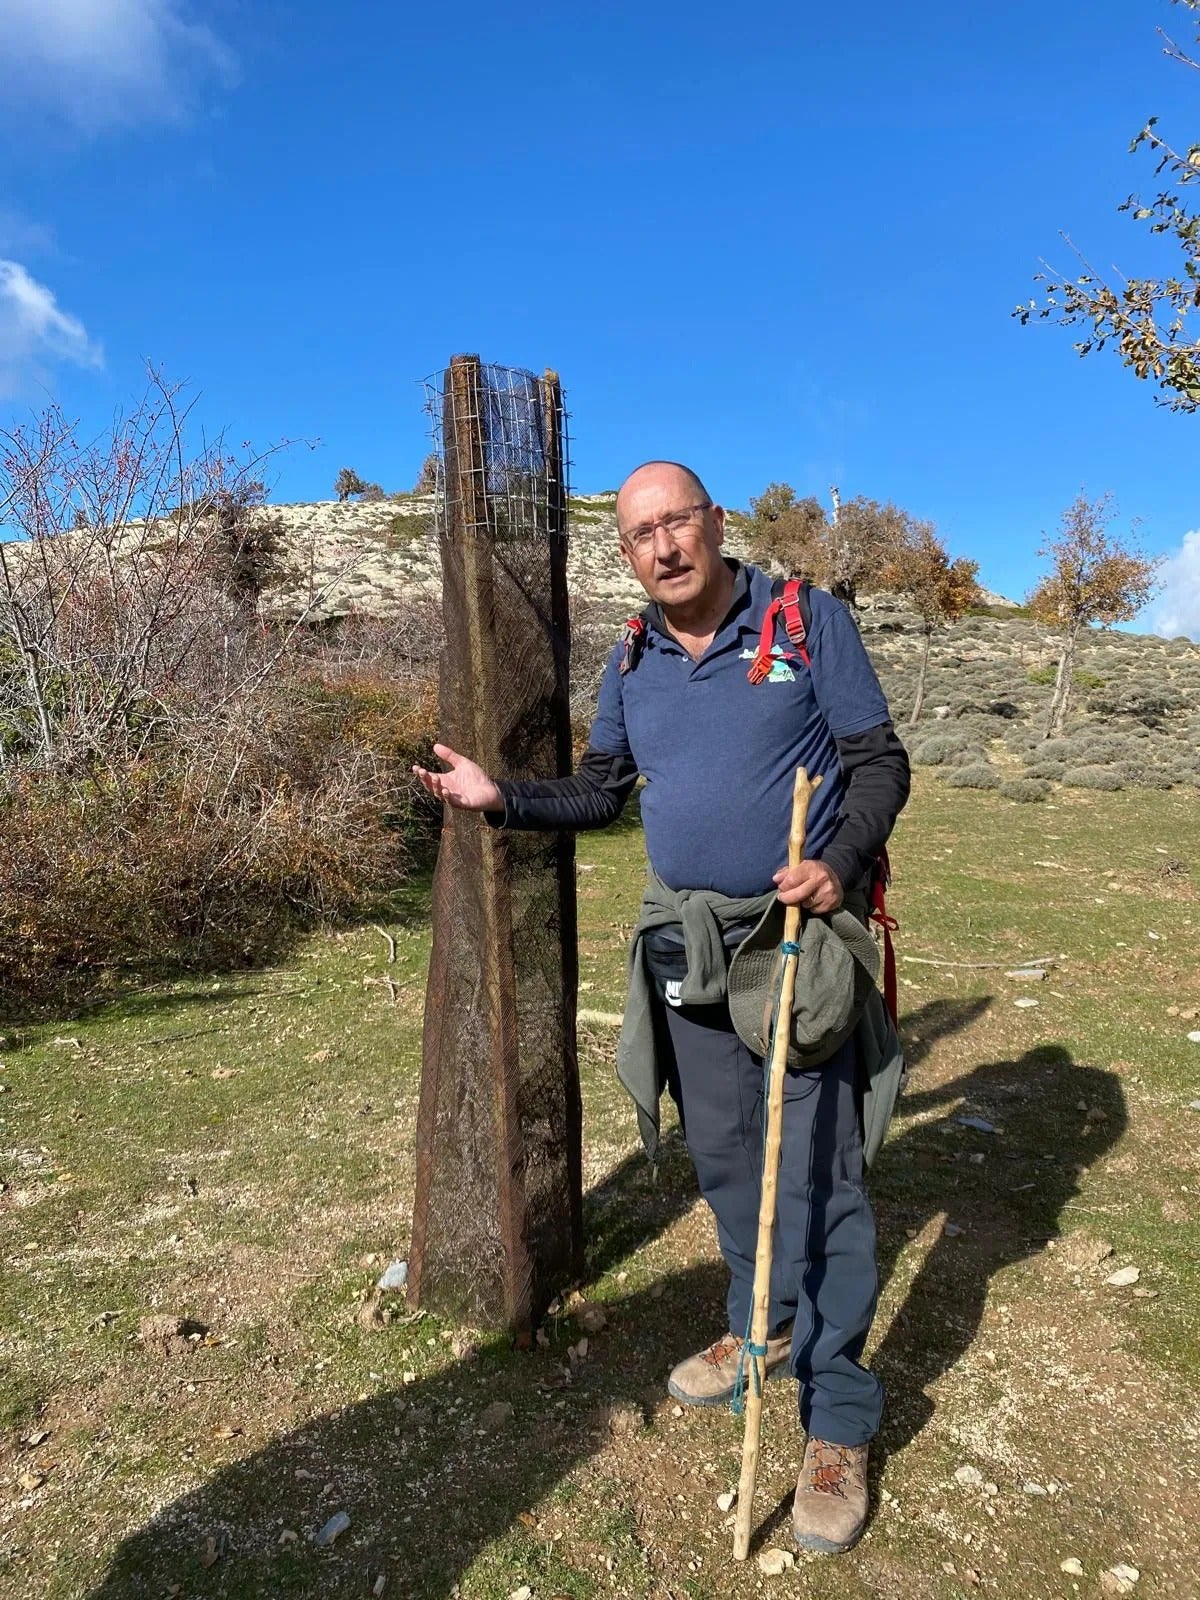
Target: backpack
{"x": 790, "y": 599}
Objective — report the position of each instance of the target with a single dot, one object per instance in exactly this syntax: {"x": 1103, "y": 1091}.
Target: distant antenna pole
{"x": 835, "y": 496}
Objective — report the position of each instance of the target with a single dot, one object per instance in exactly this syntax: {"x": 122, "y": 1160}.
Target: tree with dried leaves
{"x": 844, "y": 553}
{"x": 348, "y": 482}
{"x": 248, "y": 539}
{"x": 864, "y": 537}
{"x": 1095, "y": 577}
{"x": 427, "y": 478}
{"x": 786, "y": 532}
{"x": 941, "y": 590}
{"x": 1145, "y": 319}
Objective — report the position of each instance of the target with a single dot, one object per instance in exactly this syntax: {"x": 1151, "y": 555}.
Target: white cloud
{"x": 1175, "y": 609}
{"x": 96, "y": 63}
{"x": 35, "y": 332}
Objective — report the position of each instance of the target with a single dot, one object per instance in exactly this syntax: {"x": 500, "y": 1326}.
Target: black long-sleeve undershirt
{"x": 874, "y": 763}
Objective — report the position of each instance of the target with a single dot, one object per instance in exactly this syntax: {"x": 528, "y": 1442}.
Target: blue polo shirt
{"x": 719, "y": 754}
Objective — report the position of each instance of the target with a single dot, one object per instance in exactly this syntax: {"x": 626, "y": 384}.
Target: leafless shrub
{"x": 176, "y": 772}
{"x": 594, "y": 632}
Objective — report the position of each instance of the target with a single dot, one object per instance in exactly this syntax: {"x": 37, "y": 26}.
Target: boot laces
{"x": 721, "y": 1349}
{"x": 827, "y": 1466}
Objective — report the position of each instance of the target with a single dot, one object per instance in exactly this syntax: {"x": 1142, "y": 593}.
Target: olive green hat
{"x": 836, "y": 971}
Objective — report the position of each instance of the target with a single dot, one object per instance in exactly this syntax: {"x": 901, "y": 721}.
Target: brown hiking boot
{"x": 710, "y": 1377}
{"x": 830, "y": 1509}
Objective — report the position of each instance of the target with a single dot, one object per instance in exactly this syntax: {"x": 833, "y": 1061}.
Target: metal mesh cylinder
{"x": 497, "y": 1226}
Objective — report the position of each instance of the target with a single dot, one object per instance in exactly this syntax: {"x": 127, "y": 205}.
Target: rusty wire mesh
{"x": 497, "y": 1223}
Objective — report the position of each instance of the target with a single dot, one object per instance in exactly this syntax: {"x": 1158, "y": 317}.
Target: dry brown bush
{"x": 180, "y": 780}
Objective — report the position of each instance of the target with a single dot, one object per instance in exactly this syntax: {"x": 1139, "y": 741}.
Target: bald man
{"x": 718, "y": 751}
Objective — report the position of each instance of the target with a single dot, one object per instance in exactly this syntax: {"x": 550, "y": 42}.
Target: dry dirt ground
{"x": 235, "y": 1156}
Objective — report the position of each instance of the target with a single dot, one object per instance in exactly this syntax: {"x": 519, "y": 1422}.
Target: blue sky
{"x": 778, "y": 242}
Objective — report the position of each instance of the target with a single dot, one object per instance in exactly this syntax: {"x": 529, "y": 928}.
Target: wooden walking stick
{"x": 802, "y": 794}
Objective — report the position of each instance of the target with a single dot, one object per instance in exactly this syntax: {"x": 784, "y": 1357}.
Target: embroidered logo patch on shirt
{"x": 780, "y": 671}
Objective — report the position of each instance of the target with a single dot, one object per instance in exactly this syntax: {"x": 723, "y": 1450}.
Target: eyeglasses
{"x": 641, "y": 538}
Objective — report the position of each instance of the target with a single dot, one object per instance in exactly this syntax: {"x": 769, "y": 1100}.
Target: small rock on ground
{"x": 1072, "y": 1566}
{"x": 496, "y": 1415}
{"x": 395, "y": 1278}
{"x": 1081, "y": 1249}
{"x": 623, "y": 1421}
{"x": 773, "y": 1562}
{"x": 1120, "y": 1579}
{"x": 333, "y": 1529}
{"x": 169, "y": 1336}
{"x": 1123, "y": 1277}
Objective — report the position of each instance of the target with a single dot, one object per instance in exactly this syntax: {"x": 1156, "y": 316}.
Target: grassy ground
{"x": 238, "y": 1152}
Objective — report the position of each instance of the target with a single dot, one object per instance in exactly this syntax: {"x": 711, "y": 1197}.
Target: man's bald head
{"x": 668, "y": 474}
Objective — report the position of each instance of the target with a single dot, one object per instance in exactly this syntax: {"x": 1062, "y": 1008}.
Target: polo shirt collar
{"x": 738, "y": 602}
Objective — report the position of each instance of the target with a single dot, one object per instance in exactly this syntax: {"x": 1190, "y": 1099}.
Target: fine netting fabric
{"x": 497, "y": 1223}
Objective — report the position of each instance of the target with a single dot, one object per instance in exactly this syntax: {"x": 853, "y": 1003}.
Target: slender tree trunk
{"x": 919, "y": 702}
{"x": 1060, "y": 700}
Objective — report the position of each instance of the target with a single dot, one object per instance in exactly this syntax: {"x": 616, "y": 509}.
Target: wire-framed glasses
{"x": 641, "y": 538}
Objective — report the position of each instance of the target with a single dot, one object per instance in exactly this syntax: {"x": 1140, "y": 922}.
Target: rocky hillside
{"x": 1136, "y": 716}
{"x": 369, "y": 556}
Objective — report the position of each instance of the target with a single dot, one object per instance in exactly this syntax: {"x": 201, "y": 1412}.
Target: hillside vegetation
{"x": 198, "y": 803}
{"x": 1136, "y": 718}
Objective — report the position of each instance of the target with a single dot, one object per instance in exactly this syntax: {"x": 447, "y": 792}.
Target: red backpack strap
{"x": 789, "y": 599}
{"x": 633, "y": 638}
{"x": 881, "y": 878}
{"x": 796, "y": 615}
{"x": 760, "y": 667}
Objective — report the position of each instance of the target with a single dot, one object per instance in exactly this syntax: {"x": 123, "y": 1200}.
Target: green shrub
{"x": 1093, "y": 778}
{"x": 934, "y": 749}
{"x": 1025, "y": 789}
{"x": 1081, "y": 678}
{"x": 1041, "y": 770}
{"x": 1145, "y": 700}
{"x": 1064, "y": 749}
{"x": 1137, "y": 775}
{"x": 401, "y": 529}
{"x": 976, "y": 775}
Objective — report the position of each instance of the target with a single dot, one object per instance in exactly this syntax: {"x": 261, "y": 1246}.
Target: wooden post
{"x": 497, "y": 1217}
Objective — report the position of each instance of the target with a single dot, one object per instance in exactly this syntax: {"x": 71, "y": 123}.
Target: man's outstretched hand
{"x": 466, "y": 786}
{"x": 812, "y": 885}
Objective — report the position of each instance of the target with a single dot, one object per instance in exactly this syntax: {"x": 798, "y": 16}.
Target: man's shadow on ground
{"x": 1003, "y": 1193}
{"x": 429, "y": 1484}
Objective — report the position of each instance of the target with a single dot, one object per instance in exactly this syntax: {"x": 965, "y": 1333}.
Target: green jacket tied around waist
{"x": 836, "y": 997}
